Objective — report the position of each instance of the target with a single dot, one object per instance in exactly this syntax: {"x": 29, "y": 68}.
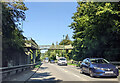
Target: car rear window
{"x": 62, "y": 59}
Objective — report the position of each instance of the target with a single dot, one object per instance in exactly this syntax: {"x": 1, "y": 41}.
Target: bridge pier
{"x": 31, "y": 55}
{"x": 67, "y": 50}
{"x": 34, "y": 56}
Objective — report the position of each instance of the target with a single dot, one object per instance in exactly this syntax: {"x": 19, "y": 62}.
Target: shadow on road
{"x": 52, "y": 79}
{"x": 41, "y": 75}
{"x": 77, "y": 67}
{"x": 44, "y": 76}
{"x": 103, "y": 77}
{"x": 43, "y": 68}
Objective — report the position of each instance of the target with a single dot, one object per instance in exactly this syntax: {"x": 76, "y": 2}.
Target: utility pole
{"x": 63, "y": 45}
{"x": 21, "y": 24}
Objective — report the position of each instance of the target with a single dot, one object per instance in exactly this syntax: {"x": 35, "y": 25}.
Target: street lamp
{"x": 63, "y": 45}
{"x": 22, "y": 23}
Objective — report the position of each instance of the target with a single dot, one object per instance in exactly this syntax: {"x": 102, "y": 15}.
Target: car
{"x": 52, "y": 61}
{"x": 46, "y": 61}
{"x": 97, "y": 67}
{"x": 62, "y": 61}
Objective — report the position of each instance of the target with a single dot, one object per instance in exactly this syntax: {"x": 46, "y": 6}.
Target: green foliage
{"x": 38, "y": 54}
{"x": 52, "y": 53}
{"x": 38, "y": 66}
{"x": 12, "y": 35}
{"x": 72, "y": 64}
{"x": 96, "y": 30}
{"x": 66, "y": 41}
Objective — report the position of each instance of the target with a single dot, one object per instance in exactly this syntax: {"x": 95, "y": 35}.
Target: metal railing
{"x": 5, "y": 71}
{"x": 115, "y": 63}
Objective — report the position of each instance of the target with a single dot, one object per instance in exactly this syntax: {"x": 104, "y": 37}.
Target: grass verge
{"x": 37, "y": 66}
{"x": 72, "y": 64}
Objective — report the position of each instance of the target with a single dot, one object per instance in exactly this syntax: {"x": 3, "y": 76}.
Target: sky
{"x": 47, "y": 22}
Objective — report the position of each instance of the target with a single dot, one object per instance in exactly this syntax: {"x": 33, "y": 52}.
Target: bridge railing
{"x": 5, "y": 71}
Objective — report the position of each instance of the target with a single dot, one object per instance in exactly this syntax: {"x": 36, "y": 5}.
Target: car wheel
{"x": 81, "y": 70}
{"x": 91, "y": 74}
{"x": 59, "y": 64}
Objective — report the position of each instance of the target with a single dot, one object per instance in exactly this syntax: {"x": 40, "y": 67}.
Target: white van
{"x": 62, "y": 61}
{"x": 46, "y": 60}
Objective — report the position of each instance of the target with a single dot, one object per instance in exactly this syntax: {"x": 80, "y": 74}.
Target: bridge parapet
{"x": 31, "y": 44}
{"x": 55, "y": 47}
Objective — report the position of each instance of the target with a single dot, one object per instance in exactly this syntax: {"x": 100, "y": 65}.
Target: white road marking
{"x": 66, "y": 71}
{"x": 70, "y": 73}
{"x": 76, "y": 75}
{"x": 63, "y": 70}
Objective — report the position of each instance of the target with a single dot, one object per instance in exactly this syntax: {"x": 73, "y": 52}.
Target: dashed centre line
{"x": 70, "y": 73}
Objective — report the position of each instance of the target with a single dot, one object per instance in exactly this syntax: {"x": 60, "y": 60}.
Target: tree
{"x": 52, "y": 53}
{"x": 96, "y": 30}
{"x": 66, "y": 41}
{"x": 13, "y": 40}
{"x": 52, "y": 44}
{"x": 11, "y": 14}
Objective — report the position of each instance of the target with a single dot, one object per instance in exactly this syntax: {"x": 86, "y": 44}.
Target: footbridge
{"x": 55, "y": 47}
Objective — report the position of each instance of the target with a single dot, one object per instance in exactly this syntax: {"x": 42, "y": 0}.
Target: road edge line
{"x": 32, "y": 75}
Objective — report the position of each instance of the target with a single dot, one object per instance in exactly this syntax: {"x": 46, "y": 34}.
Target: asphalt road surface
{"x": 53, "y": 72}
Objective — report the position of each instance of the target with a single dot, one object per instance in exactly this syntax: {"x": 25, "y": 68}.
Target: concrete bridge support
{"x": 34, "y": 56}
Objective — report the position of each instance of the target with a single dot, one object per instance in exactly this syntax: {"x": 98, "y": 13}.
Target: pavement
{"x": 21, "y": 76}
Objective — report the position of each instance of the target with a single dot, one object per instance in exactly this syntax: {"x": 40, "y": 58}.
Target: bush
{"x": 37, "y": 66}
{"x": 78, "y": 64}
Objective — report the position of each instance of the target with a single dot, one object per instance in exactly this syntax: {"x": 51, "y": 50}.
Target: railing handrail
{"x": 15, "y": 67}
{"x": 115, "y": 62}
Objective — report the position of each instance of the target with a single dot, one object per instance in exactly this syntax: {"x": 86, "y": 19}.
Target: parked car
{"x": 46, "y": 60}
{"x": 52, "y": 61}
{"x": 97, "y": 67}
{"x": 62, "y": 61}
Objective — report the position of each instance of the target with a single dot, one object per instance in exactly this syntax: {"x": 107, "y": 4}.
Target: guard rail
{"x": 78, "y": 63}
{"x": 7, "y": 70}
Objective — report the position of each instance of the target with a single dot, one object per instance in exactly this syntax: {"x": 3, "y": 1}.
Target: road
{"x": 53, "y": 72}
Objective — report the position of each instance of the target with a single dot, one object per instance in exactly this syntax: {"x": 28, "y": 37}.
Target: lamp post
{"x": 63, "y": 45}
{"x": 22, "y": 23}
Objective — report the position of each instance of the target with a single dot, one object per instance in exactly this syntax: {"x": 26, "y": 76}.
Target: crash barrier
{"x": 5, "y": 71}
{"x": 117, "y": 64}
{"x": 78, "y": 63}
